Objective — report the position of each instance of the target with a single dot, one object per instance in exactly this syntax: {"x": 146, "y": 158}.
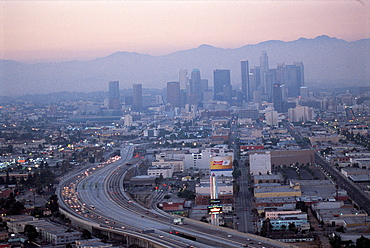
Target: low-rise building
{"x": 278, "y": 191}
{"x": 166, "y": 172}
{"x": 274, "y": 214}
{"x": 177, "y": 165}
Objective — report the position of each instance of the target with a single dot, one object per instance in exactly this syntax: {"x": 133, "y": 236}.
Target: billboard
{"x": 222, "y": 163}
{"x": 214, "y": 209}
{"x": 214, "y": 201}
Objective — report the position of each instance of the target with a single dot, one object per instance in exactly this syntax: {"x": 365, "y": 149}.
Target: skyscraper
{"x": 183, "y": 79}
{"x": 113, "y": 95}
{"x": 267, "y": 77}
{"x": 173, "y": 94}
{"x": 277, "y": 97}
{"x": 221, "y": 78}
{"x": 292, "y": 76}
{"x": 137, "y": 101}
{"x": 195, "y": 94}
{"x": 264, "y": 62}
{"x": 245, "y": 80}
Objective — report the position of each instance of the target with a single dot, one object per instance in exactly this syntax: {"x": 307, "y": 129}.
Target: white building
{"x": 128, "y": 120}
{"x": 300, "y": 114}
{"x": 151, "y": 132}
{"x": 166, "y": 172}
{"x": 260, "y": 163}
{"x": 271, "y": 116}
{"x": 176, "y": 165}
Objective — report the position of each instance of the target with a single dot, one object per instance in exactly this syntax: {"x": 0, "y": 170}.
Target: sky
{"x": 55, "y": 31}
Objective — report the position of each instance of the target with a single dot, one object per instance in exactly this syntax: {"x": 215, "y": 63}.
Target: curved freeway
{"x": 97, "y": 195}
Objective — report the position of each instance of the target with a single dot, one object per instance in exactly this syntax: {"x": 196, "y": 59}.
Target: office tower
{"x": 271, "y": 116}
{"x": 277, "y": 97}
{"x": 137, "y": 101}
{"x": 204, "y": 83}
{"x": 220, "y": 79}
{"x": 113, "y": 95}
{"x": 264, "y": 62}
{"x": 227, "y": 93}
{"x": 300, "y": 74}
{"x": 173, "y": 94}
{"x": 292, "y": 76}
{"x": 267, "y": 77}
{"x": 304, "y": 92}
{"x": 245, "y": 80}
{"x": 255, "y": 79}
{"x": 183, "y": 98}
{"x": 195, "y": 95}
{"x": 183, "y": 79}
{"x": 300, "y": 114}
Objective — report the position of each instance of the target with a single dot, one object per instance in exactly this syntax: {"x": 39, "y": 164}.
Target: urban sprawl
{"x": 272, "y": 158}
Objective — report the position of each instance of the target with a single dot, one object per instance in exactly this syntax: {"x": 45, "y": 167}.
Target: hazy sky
{"x": 34, "y": 31}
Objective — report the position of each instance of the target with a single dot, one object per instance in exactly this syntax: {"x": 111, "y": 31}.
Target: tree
{"x": 236, "y": 187}
{"x": 236, "y": 163}
{"x": 30, "y": 232}
{"x": 362, "y": 242}
{"x": 187, "y": 194}
{"x": 53, "y": 204}
{"x": 292, "y": 227}
{"x": 302, "y": 206}
{"x": 86, "y": 234}
{"x": 266, "y": 228}
{"x": 335, "y": 241}
{"x": 236, "y": 173}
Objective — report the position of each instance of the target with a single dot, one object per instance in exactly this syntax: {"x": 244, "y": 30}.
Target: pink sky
{"x": 35, "y": 31}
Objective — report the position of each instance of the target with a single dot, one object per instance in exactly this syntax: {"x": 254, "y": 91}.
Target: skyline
{"x": 56, "y": 31}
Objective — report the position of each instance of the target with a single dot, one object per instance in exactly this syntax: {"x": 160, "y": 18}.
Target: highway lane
{"x": 102, "y": 188}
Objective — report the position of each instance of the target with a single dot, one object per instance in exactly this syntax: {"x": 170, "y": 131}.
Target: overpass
{"x": 94, "y": 199}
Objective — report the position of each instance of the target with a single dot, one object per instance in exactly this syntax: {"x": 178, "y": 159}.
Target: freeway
{"x": 97, "y": 195}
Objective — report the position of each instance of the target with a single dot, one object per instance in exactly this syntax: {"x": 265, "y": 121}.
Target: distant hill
{"x": 328, "y": 62}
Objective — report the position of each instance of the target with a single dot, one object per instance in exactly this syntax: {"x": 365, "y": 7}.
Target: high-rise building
{"x": 292, "y": 76}
{"x": 245, "y": 80}
{"x": 221, "y": 78}
{"x": 303, "y": 92}
{"x": 113, "y": 95}
{"x": 300, "y": 114}
{"x": 264, "y": 62}
{"x": 183, "y": 78}
{"x": 277, "y": 97}
{"x": 195, "y": 95}
{"x": 267, "y": 77}
{"x": 173, "y": 94}
{"x": 204, "y": 83}
{"x": 255, "y": 81}
{"x": 271, "y": 116}
{"x": 137, "y": 101}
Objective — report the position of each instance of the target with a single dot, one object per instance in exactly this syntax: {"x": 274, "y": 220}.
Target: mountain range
{"x": 328, "y": 61}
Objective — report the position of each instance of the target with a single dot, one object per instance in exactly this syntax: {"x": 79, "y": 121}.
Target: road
{"x": 98, "y": 196}
{"x": 360, "y": 198}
